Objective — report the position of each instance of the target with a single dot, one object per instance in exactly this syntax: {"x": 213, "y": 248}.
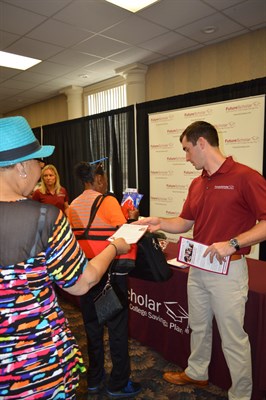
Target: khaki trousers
{"x": 222, "y": 296}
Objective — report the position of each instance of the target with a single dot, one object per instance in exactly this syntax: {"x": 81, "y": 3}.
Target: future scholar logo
{"x": 168, "y": 313}
{"x": 251, "y": 105}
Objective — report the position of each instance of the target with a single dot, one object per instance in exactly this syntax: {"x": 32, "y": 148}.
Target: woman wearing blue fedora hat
{"x": 39, "y": 357}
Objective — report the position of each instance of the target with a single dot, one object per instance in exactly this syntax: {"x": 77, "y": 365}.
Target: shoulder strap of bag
{"x": 94, "y": 209}
{"x": 40, "y": 226}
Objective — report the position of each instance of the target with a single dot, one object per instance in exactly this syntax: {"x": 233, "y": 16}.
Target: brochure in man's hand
{"x": 130, "y": 232}
{"x": 191, "y": 252}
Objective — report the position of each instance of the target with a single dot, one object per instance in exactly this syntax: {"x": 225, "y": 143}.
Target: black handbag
{"x": 110, "y": 301}
{"x": 151, "y": 264}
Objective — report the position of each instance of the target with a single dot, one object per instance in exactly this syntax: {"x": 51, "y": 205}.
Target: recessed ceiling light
{"x": 209, "y": 29}
{"x": 15, "y": 61}
{"x": 133, "y": 5}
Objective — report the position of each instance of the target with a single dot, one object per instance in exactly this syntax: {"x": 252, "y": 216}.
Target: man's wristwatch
{"x": 234, "y": 243}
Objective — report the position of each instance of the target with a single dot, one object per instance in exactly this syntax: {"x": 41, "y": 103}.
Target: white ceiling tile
{"x": 168, "y": 43}
{"x": 74, "y": 58}
{"x": 17, "y": 84}
{"x": 227, "y": 36}
{"x": 223, "y": 4}
{"x": 29, "y": 76}
{"x": 17, "y": 20}
{"x": 223, "y": 24}
{"x": 76, "y": 78}
{"x": 43, "y": 7}
{"x": 7, "y": 73}
{"x": 33, "y": 48}
{"x": 8, "y": 92}
{"x": 101, "y": 46}
{"x": 93, "y": 15}
{"x": 245, "y": 13}
{"x": 59, "y": 33}
{"x": 105, "y": 65}
{"x": 173, "y": 14}
{"x": 55, "y": 83}
{"x": 6, "y": 39}
{"x": 51, "y": 69}
{"x": 134, "y": 54}
{"x": 134, "y": 30}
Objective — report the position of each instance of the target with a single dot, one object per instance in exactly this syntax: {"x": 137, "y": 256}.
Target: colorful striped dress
{"x": 39, "y": 357}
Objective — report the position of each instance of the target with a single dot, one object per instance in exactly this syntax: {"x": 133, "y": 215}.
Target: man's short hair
{"x": 201, "y": 129}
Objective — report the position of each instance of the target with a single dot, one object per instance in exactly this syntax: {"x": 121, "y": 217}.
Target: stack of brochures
{"x": 173, "y": 262}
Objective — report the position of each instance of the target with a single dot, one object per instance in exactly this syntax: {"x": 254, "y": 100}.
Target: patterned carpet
{"x": 147, "y": 367}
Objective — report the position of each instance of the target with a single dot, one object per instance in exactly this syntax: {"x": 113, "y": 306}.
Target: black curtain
{"x": 70, "y": 147}
{"x": 90, "y": 138}
{"x": 223, "y": 93}
{"x": 37, "y": 133}
{"x": 112, "y": 135}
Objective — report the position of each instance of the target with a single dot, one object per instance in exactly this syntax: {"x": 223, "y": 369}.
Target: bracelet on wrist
{"x": 130, "y": 220}
{"x": 116, "y": 251}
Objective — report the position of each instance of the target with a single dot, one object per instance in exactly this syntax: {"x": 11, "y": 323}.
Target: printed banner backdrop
{"x": 240, "y": 124}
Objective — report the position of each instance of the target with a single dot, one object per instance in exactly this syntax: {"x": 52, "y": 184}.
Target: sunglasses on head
{"x": 98, "y": 161}
{"x": 99, "y": 164}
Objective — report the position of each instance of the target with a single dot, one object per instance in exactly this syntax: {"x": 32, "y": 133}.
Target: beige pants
{"x": 222, "y": 296}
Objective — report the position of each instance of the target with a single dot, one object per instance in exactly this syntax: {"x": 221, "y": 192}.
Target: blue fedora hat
{"x": 18, "y": 143}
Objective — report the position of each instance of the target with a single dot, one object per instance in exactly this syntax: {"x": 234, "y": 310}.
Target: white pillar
{"x": 134, "y": 75}
{"x": 74, "y": 101}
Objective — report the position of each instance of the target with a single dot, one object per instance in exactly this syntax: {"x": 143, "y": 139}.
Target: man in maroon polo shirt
{"x": 227, "y": 209}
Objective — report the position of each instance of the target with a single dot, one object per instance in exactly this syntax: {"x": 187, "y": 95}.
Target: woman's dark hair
{"x": 201, "y": 129}
{"x": 86, "y": 172}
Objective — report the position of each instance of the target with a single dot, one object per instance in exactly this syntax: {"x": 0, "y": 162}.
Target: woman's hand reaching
{"x": 122, "y": 247}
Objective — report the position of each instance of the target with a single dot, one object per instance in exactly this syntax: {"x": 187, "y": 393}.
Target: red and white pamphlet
{"x": 191, "y": 253}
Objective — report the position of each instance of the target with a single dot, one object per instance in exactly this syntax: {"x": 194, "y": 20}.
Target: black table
{"x": 158, "y": 318}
